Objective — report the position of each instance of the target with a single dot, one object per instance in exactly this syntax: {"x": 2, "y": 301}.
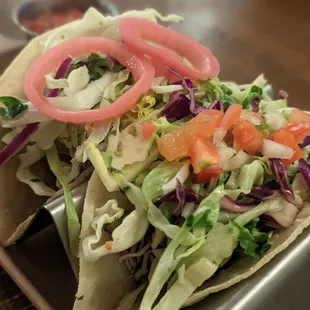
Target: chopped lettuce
{"x": 113, "y": 91}
{"x": 131, "y": 172}
{"x": 207, "y": 212}
{"x": 73, "y": 224}
{"x": 152, "y": 186}
{"x": 272, "y": 106}
{"x": 77, "y": 80}
{"x": 202, "y": 263}
{"x": 85, "y": 99}
{"x": 152, "y": 213}
{"x": 166, "y": 265}
{"x": 132, "y": 147}
{"x": 251, "y": 174}
{"x": 254, "y": 92}
{"x": 97, "y": 160}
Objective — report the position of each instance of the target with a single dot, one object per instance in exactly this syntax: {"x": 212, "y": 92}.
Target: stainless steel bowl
{"x": 30, "y": 9}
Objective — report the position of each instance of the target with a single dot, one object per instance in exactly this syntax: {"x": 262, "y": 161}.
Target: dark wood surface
{"x": 248, "y": 37}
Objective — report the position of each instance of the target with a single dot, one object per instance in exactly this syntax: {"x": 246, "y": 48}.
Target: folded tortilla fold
{"x": 101, "y": 273}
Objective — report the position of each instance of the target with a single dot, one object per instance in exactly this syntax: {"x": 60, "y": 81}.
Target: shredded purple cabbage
{"x": 267, "y": 190}
{"x": 282, "y": 94}
{"x": 305, "y": 143}
{"x": 305, "y": 170}
{"x": 280, "y": 172}
{"x": 18, "y": 143}
{"x": 113, "y": 60}
{"x": 229, "y": 204}
{"x": 255, "y": 104}
{"x": 187, "y": 84}
{"x": 217, "y": 105}
{"x": 61, "y": 72}
{"x": 177, "y": 107}
{"x": 180, "y": 196}
{"x": 21, "y": 140}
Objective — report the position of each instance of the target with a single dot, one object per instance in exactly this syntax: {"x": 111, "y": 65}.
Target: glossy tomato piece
{"x": 148, "y": 129}
{"x": 203, "y": 154}
{"x": 300, "y": 130}
{"x": 175, "y": 144}
{"x": 247, "y": 137}
{"x": 231, "y": 116}
{"x": 207, "y": 174}
{"x": 299, "y": 116}
{"x": 286, "y": 138}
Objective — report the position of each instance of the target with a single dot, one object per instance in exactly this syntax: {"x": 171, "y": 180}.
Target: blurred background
{"x": 247, "y": 37}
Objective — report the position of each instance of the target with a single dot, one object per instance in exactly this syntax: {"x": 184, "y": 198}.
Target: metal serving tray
{"x": 39, "y": 264}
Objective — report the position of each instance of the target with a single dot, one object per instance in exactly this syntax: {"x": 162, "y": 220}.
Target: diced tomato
{"x": 247, "y": 115}
{"x": 300, "y": 130}
{"x": 203, "y": 153}
{"x": 286, "y": 138}
{"x": 175, "y": 144}
{"x": 148, "y": 129}
{"x": 231, "y": 116}
{"x": 299, "y": 116}
{"x": 207, "y": 174}
{"x": 205, "y": 123}
{"x": 247, "y": 137}
{"x": 108, "y": 245}
{"x": 48, "y": 21}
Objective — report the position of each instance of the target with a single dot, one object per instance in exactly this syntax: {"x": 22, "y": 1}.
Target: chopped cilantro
{"x": 12, "y": 107}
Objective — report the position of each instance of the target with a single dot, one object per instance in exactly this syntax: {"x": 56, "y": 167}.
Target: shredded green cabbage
{"x": 73, "y": 224}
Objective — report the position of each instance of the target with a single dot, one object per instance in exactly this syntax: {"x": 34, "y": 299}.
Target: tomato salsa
{"x": 51, "y": 20}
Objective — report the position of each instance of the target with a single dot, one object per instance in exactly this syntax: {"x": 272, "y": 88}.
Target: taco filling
{"x": 208, "y": 171}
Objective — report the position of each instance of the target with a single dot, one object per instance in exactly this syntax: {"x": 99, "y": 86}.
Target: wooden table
{"x": 248, "y": 37}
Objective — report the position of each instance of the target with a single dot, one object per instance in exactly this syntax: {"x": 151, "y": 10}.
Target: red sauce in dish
{"x": 48, "y": 21}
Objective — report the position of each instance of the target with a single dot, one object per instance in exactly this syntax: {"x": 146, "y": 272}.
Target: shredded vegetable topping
{"x": 210, "y": 168}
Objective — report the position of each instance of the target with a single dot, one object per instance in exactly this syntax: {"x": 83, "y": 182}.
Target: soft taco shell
{"x": 103, "y": 283}
{"x": 239, "y": 270}
{"x": 246, "y": 266}
{"x": 17, "y": 201}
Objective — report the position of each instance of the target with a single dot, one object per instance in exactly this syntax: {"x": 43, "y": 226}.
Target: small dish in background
{"x": 35, "y": 17}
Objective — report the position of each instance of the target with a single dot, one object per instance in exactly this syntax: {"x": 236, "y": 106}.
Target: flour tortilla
{"x": 102, "y": 273}
{"x": 102, "y": 284}
{"x": 17, "y": 201}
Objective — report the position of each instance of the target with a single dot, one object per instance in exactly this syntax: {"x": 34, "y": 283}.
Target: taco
{"x": 196, "y": 182}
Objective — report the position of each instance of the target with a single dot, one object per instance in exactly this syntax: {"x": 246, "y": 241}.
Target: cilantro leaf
{"x": 255, "y": 91}
{"x": 97, "y": 66}
{"x": 253, "y": 242}
{"x": 223, "y": 178}
{"x": 228, "y": 98}
{"x": 12, "y": 108}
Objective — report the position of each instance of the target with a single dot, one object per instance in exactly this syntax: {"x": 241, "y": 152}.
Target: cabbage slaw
{"x": 238, "y": 176}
